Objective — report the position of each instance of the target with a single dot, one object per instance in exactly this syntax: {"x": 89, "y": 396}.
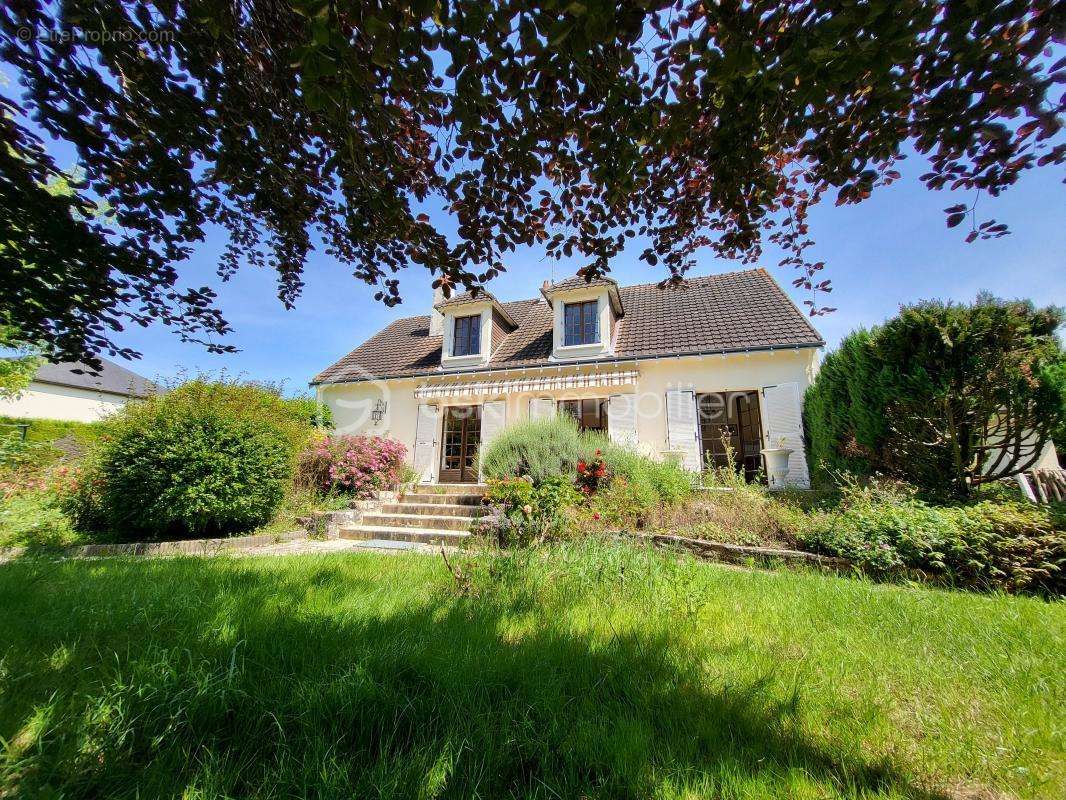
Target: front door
{"x": 750, "y": 422}
{"x": 462, "y": 435}
{"x": 730, "y": 421}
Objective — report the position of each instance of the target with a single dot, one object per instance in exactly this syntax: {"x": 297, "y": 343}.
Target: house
{"x": 676, "y": 373}
{"x": 67, "y": 391}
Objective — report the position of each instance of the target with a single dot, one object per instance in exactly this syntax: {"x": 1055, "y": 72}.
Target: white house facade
{"x": 675, "y": 373}
{"x": 68, "y": 391}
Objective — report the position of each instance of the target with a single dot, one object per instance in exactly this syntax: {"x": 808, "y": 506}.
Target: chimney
{"x": 436, "y": 319}
{"x": 544, "y": 288}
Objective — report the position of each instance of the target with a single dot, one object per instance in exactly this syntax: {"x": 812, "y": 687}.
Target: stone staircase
{"x": 431, "y": 514}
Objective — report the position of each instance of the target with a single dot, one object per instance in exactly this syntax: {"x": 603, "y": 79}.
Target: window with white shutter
{"x": 541, "y": 408}
{"x": 681, "y": 427}
{"x": 622, "y": 419}
{"x": 783, "y": 417}
{"x": 493, "y": 420}
{"x": 425, "y": 453}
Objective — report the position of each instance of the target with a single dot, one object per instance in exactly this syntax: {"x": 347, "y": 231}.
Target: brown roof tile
{"x": 466, "y": 298}
{"x": 578, "y": 282}
{"x": 731, "y": 312}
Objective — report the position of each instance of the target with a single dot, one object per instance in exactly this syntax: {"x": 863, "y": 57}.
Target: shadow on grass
{"x": 211, "y": 678}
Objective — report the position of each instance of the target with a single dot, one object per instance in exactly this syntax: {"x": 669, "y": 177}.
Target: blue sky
{"x": 892, "y": 249}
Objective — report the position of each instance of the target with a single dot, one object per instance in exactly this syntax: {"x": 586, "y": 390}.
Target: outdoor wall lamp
{"x": 378, "y": 412}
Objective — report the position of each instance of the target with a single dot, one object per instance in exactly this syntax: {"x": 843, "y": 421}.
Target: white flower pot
{"x": 777, "y": 465}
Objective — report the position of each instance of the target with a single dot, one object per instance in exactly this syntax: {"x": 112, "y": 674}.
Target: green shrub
{"x": 204, "y": 458}
{"x": 989, "y": 544}
{"x": 33, "y": 518}
{"x": 307, "y": 407}
{"x": 19, "y": 363}
{"x": 927, "y": 396}
{"x": 78, "y": 493}
{"x": 636, "y": 492}
{"x": 666, "y": 481}
{"x": 25, "y": 463}
{"x": 523, "y": 513}
{"x": 623, "y": 505}
{"x": 844, "y": 409}
{"x": 538, "y": 449}
{"x": 17, "y": 453}
{"x": 633, "y": 490}
{"x": 51, "y": 430}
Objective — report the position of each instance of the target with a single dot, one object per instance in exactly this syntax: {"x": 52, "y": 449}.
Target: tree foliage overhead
{"x": 577, "y": 125}
{"x": 944, "y": 396}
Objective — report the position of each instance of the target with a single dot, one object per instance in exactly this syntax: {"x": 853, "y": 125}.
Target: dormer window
{"x": 467, "y": 339}
{"x": 581, "y": 323}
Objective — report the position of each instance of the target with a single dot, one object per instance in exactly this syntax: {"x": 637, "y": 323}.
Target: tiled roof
{"x": 112, "y": 378}
{"x": 466, "y": 298}
{"x": 578, "y": 282}
{"x": 731, "y": 312}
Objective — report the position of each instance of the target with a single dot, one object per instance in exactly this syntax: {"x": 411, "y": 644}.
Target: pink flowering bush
{"x": 356, "y": 465}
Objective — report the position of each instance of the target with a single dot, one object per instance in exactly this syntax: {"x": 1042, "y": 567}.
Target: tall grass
{"x": 662, "y": 481}
{"x": 582, "y": 671}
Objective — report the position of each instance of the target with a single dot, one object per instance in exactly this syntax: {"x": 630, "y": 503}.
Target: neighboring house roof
{"x": 112, "y": 378}
{"x": 731, "y": 312}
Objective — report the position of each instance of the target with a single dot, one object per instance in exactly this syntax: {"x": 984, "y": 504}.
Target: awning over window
{"x": 546, "y": 383}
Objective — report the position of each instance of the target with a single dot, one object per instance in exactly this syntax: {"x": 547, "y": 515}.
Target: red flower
{"x": 580, "y": 466}
{"x": 596, "y": 515}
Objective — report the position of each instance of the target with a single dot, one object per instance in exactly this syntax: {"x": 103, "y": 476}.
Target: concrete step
{"x": 419, "y": 535}
{"x": 432, "y": 509}
{"x": 387, "y": 544}
{"x": 417, "y": 521}
{"x": 450, "y": 488}
{"x": 437, "y": 498}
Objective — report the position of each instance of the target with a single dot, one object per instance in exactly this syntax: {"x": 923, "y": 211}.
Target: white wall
{"x": 47, "y": 401}
{"x": 351, "y": 404}
{"x": 731, "y": 373}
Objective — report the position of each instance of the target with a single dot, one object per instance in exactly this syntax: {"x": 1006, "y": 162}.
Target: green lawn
{"x": 33, "y": 519}
{"x": 577, "y": 671}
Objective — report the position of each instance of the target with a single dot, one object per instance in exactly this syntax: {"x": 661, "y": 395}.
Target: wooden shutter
{"x": 493, "y": 419}
{"x": 681, "y": 427}
{"x": 783, "y": 417}
{"x": 541, "y": 408}
{"x": 622, "y": 419}
{"x": 425, "y": 453}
